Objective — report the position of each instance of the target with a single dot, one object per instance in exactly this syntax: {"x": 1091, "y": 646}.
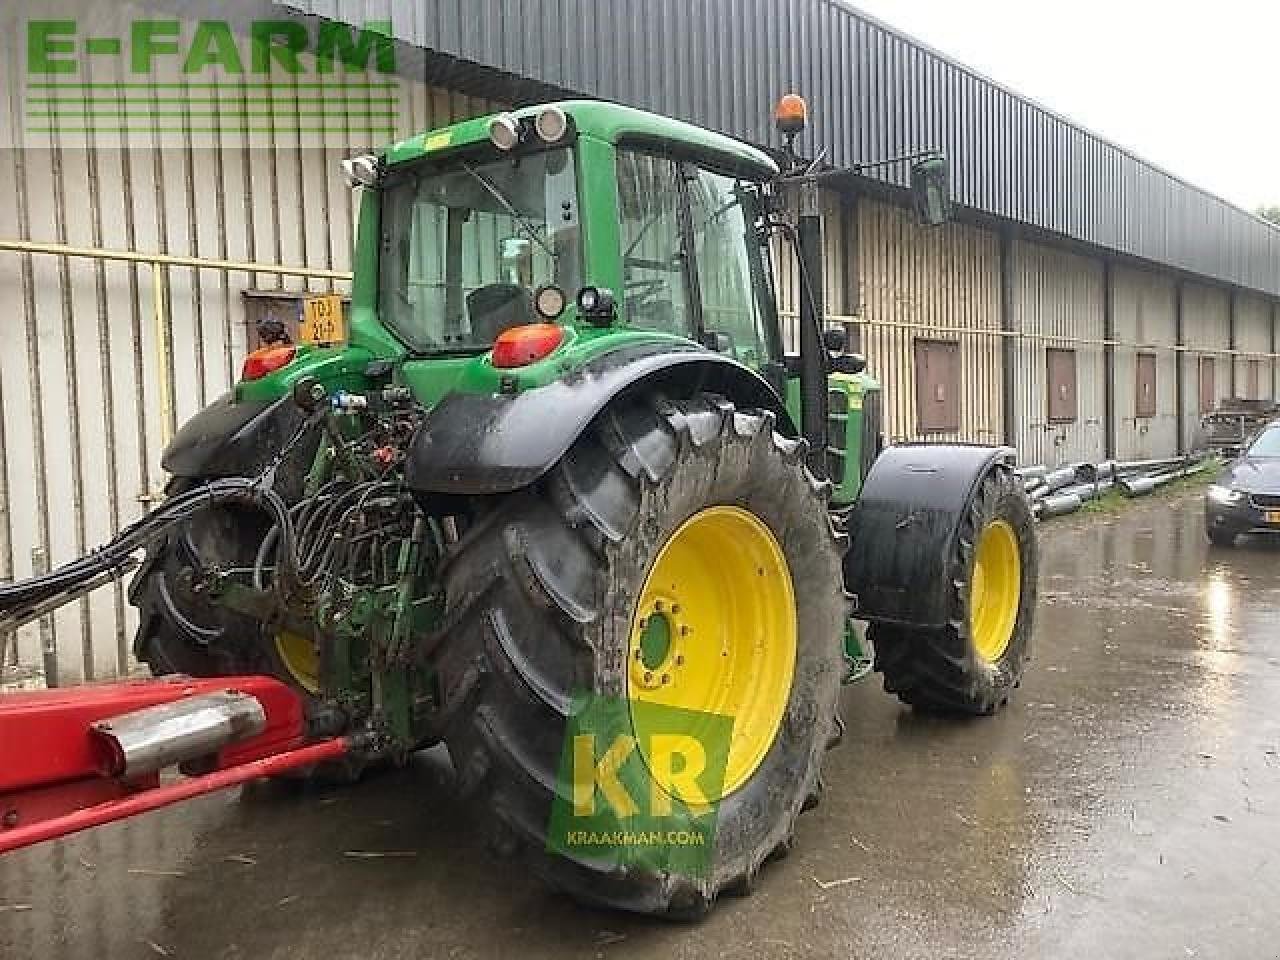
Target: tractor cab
{"x": 479, "y": 236}
{"x": 501, "y": 222}
{"x": 512, "y": 247}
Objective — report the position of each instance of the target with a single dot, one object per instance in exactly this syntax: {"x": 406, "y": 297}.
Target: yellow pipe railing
{"x": 159, "y": 262}
{"x": 169, "y": 260}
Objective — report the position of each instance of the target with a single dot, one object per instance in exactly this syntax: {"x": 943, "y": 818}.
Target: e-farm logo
{"x": 639, "y": 785}
{"x": 273, "y": 77}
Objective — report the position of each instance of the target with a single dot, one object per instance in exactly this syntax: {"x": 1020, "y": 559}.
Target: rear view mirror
{"x": 931, "y": 191}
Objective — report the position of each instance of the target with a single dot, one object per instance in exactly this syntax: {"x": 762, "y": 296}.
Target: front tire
{"x": 1220, "y": 538}
{"x": 973, "y": 663}
{"x": 553, "y": 588}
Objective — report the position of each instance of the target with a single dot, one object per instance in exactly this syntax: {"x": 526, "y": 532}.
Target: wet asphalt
{"x": 1127, "y": 804}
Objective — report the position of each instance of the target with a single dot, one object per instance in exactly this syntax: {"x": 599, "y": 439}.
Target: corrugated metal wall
{"x": 80, "y": 423}
{"x": 1059, "y": 294}
{"x": 1144, "y": 311}
{"x": 1253, "y": 335}
{"x": 920, "y": 283}
{"x": 1205, "y": 319}
{"x": 874, "y": 92}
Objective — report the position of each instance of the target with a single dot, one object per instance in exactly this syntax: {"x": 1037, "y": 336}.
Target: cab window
{"x": 656, "y": 290}
{"x": 465, "y": 244}
{"x": 691, "y": 261}
{"x": 731, "y": 274}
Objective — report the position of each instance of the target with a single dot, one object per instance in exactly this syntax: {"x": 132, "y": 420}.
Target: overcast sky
{"x": 1192, "y": 87}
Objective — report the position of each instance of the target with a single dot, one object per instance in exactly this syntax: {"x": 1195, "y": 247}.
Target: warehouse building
{"x": 1084, "y": 303}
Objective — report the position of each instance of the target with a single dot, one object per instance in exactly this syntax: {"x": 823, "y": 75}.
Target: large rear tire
{"x": 553, "y": 591}
{"x": 973, "y": 663}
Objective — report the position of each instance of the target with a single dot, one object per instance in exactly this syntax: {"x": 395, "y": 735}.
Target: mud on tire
{"x": 940, "y": 670}
{"x": 542, "y": 589}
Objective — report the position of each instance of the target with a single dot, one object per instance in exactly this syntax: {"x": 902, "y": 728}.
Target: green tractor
{"x": 556, "y": 449}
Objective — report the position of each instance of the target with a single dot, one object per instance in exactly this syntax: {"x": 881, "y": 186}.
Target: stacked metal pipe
{"x": 1059, "y": 491}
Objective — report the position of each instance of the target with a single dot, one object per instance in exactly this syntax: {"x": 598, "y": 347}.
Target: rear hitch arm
{"x": 81, "y": 757}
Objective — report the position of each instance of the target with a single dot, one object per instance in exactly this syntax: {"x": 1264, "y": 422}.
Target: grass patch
{"x": 1113, "y": 501}
{"x": 1110, "y": 502}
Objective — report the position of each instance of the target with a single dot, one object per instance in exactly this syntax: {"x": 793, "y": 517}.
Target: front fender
{"x": 903, "y": 530}
{"x": 480, "y": 444}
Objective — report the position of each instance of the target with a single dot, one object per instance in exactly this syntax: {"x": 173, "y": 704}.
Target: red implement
{"x": 55, "y": 769}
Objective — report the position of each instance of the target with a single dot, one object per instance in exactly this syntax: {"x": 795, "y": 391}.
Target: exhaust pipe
{"x": 1060, "y": 505}
{"x": 1096, "y": 472}
{"x": 1140, "y": 486}
{"x": 1055, "y": 480}
{"x": 148, "y": 740}
{"x": 1035, "y": 489}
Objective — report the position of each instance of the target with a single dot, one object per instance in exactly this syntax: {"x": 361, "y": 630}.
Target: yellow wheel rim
{"x": 996, "y": 591}
{"x": 715, "y": 632}
{"x": 301, "y": 659}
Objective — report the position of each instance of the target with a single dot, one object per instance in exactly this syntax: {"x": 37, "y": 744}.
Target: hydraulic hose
{"x": 17, "y": 598}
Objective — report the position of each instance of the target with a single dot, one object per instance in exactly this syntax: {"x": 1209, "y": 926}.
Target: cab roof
{"x": 601, "y": 120}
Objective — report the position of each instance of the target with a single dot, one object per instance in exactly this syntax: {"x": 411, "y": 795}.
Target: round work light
{"x": 552, "y": 125}
{"x": 504, "y": 132}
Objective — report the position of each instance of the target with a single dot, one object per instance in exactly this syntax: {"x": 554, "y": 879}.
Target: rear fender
{"x": 232, "y": 438}
{"x": 904, "y": 526}
{"x": 481, "y": 444}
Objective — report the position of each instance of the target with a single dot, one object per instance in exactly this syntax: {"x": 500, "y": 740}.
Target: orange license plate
{"x": 1272, "y": 516}
{"x": 323, "y": 322}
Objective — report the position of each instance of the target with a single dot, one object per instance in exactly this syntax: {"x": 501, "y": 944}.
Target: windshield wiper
{"x": 515, "y": 214}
